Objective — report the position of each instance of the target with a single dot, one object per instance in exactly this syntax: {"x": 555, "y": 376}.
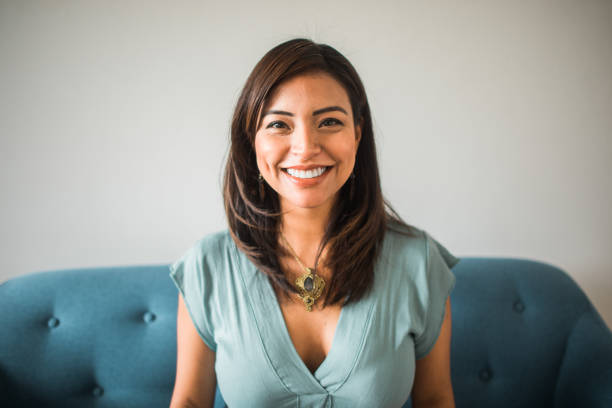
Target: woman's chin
{"x": 306, "y": 202}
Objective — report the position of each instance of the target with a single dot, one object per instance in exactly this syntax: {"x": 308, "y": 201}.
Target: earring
{"x": 262, "y": 191}
{"x": 352, "y": 187}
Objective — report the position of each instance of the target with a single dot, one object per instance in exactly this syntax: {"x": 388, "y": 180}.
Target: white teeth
{"x": 306, "y": 173}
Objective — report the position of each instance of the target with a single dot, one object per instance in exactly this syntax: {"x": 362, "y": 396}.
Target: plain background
{"x": 493, "y": 121}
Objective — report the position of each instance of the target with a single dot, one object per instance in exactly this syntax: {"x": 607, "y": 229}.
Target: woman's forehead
{"x": 309, "y": 91}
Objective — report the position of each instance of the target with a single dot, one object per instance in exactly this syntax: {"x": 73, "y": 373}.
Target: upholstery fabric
{"x": 524, "y": 335}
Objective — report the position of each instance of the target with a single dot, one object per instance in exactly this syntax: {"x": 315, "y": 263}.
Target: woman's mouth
{"x": 307, "y": 174}
{"x": 305, "y": 178}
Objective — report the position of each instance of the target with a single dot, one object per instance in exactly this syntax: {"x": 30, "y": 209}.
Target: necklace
{"x": 310, "y": 284}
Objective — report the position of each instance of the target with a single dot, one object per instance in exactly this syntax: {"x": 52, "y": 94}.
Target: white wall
{"x": 493, "y": 119}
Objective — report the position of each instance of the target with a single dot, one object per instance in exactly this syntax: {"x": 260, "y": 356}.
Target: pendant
{"x": 310, "y": 286}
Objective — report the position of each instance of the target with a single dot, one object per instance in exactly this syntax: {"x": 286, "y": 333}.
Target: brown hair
{"x": 359, "y": 219}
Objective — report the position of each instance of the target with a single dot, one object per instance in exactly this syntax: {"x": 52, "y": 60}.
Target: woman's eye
{"x": 331, "y": 122}
{"x": 274, "y": 124}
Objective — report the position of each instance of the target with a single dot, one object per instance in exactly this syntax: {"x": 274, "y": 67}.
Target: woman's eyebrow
{"x": 315, "y": 113}
{"x": 329, "y": 109}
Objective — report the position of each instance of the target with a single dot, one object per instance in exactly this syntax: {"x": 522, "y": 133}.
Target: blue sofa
{"x": 524, "y": 335}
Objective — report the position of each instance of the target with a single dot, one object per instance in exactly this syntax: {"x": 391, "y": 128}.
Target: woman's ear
{"x": 358, "y": 133}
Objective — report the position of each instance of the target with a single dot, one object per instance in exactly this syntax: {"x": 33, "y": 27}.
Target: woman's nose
{"x": 305, "y": 141}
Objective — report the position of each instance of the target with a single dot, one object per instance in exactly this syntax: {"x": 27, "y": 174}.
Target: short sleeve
{"x": 191, "y": 277}
{"x": 440, "y": 282}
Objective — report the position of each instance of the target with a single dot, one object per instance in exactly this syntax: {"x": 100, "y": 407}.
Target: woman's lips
{"x": 307, "y": 182}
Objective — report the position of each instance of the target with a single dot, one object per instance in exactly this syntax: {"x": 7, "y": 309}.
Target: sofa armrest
{"x": 585, "y": 374}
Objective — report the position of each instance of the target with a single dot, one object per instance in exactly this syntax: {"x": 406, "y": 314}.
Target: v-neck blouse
{"x": 371, "y": 362}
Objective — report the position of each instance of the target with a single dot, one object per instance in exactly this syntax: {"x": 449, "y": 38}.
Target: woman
{"x": 317, "y": 294}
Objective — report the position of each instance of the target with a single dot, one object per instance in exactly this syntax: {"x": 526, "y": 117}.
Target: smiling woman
{"x": 306, "y": 154}
{"x": 318, "y": 294}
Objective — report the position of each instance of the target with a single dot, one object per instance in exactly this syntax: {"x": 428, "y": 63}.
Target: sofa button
{"x": 97, "y": 392}
{"x": 485, "y": 374}
{"x": 53, "y": 322}
{"x": 148, "y": 317}
{"x": 518, "y": 306}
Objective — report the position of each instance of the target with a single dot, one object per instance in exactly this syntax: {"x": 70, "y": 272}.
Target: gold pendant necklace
{"x": 310, "y": 284}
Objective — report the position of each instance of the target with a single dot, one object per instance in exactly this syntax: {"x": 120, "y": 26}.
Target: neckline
{"x": 280, "y": 352}
{"x": 287, "y": 336}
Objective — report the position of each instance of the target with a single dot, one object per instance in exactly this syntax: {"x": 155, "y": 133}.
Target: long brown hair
{"x": 360, "y": 217}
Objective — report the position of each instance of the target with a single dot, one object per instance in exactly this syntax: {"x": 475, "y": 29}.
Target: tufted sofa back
{"x": 524, "y": 335}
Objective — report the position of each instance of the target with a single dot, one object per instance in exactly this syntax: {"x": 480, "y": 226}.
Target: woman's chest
{"x": 343, "y": 354}
{"x": 312, "y": 333}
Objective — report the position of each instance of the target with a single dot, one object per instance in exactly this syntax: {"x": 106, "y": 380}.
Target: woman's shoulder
{"x": 411, "y": 242}
{"x": 209, "y": 248}
{"x": 401, "y": 236}
{"x": 214, "y": 242}
{"x": 207, "y": 262}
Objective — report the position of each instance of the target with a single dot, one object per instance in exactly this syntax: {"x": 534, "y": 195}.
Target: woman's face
{"x": 306, "y": 141}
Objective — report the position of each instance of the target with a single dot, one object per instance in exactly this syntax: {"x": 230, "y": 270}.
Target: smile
{"x": 307, "y": 178}
{"x": 307, "y": 174}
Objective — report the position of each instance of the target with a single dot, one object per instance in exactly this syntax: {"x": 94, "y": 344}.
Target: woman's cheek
{"x": 268, "y": 153}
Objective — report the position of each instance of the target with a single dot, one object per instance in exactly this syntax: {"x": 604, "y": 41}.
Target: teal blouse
{"x": 371, "y": 362}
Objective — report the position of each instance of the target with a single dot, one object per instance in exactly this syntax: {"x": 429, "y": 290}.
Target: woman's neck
{"x": 304, "y": 228}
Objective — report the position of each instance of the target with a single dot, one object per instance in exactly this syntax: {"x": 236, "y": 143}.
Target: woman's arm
{"x": 432, "y": 382}
{"x": 196, "y": 380}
